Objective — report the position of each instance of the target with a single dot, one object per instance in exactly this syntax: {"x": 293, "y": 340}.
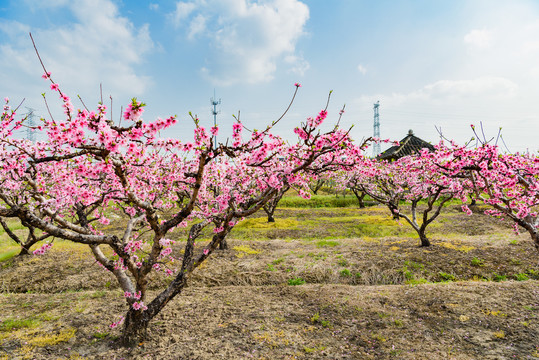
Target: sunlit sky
{"x": 445, "y": 64}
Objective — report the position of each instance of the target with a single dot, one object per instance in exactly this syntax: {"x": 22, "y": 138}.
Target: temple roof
{"x": 411, "y": 144}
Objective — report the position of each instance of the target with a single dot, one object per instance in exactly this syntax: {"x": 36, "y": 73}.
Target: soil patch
{"x": 373, "y": 295}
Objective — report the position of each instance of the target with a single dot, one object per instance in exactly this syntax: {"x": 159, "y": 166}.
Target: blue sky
{"x": 430, "y": 63}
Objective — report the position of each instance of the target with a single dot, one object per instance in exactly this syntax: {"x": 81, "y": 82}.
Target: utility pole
{"x": 30, "y": 134}
{"x": 214, "y": 111}
{"x": 376, "y": 146}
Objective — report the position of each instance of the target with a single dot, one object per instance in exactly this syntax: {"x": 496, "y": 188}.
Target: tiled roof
{"x": 411, "y": 144}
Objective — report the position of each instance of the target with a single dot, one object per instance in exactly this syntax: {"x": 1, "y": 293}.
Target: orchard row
{"x": 89, "y": 167}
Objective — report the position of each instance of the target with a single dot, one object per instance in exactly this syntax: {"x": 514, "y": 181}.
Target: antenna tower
{"x": 30, "y": 134}
{"x": 214, "y": 111}
{"x": 376, "y": 146}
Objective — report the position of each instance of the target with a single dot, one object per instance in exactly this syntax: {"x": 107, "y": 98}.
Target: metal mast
{"x": 376, "y": 146}
{"x": 30, "y": 134}
{"x": 214, "y": 111}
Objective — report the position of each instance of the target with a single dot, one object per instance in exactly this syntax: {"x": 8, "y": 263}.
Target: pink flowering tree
{"x": 507, "y": 183}
{"x": 270, "y": 207}
{"x": 316, "y": 184}
{"x": 405, "y": 185}
{"x": 7, "y": 163}
{"x": 31, "y": 239}
{"x": 251, "y": 180}
{"x": 349, "y": 181}
{"x": 89, "y": 168}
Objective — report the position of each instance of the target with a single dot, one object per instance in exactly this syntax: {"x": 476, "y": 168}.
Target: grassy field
{"x": 321, "y": 282}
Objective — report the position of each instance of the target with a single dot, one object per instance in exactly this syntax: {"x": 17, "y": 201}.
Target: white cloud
{"x": 479, "y": 38}
{"x": 362, "y": 69}
{"x": 451, "y": 91}
{"x": 182, "y": 11}
{"x": 246, "y": 38}
{"x": 99, "y": 46}
{"x": 506, "y": 46}
{"x": 153, "y": 6}
{"x": 485, "y": 87}
{"x": 13, "y": 29}
{"x": 298, "y": 65}
{"x": 197, "y": 26}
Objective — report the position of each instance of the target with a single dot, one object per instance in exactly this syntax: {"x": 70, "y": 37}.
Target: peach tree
{"x": 87, "y": 168}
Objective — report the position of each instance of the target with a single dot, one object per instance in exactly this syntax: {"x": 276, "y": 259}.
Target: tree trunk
{"x": 223, "y": 245}
{"x": 360, "y": 195}
{"x": 315, "y": 187}
{"x": 24, "y": 251}
{"x": 271, "y": 205}
{"x": 530, "y": 223}
{"x": 135, "y": 327}
{"x": 361, "y": 203}
{"x": 269, "y": 209}
{"x": 534, "y": 234}
{"x": 423, "y": 237}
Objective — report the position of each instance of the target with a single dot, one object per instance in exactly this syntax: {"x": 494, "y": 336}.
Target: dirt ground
{"x": 474, "y": 294}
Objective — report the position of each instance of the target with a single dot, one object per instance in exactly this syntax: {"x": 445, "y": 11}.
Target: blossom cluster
{"x": 43, "y": 249}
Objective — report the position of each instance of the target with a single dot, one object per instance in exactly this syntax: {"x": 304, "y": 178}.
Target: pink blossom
{"x": 54, "y": 87}
{"x": 236, "y": 128}
{"x": 115, "y": 324}
{"x": 138, "y": 305}
{"x": 43, "y": 249}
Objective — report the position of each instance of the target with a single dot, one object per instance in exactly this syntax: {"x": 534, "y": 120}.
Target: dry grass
{"x": 376, "y": 295}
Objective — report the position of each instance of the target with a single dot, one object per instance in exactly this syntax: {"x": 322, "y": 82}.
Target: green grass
{"x": 335, "y": 201}
{"x": 296, "y": 281}
{"x": 318, "y": 201}
{"x": 8, "y": 247}
{"x": 314, "y": 223}
{"x": 416, "y": 281}
{"x": 414, "y": 265}
{"x": 13, "y": 225}
{"x": 16, "y": 227}
{"x": 447, "y": 277}
{"x": 325, "y": 223}
{"x": 327, "y": 243}
{"x": 12, "y": 324}
{"x": 8, "y": 254}
{"x": 477, "y": 262}
{"x": 345, "y": 273}
{"x": 262, "y": 223}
